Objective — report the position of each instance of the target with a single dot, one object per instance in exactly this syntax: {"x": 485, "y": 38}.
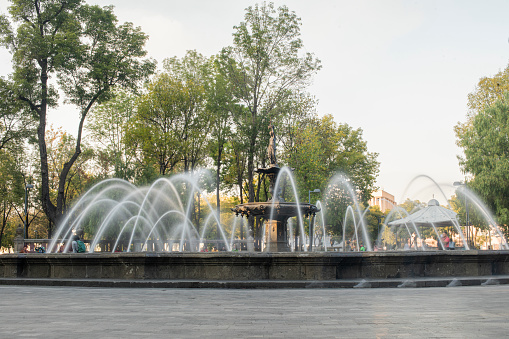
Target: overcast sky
{"x": 399, "y": 70}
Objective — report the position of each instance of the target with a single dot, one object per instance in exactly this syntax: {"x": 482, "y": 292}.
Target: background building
{"x": 383, "y": 200}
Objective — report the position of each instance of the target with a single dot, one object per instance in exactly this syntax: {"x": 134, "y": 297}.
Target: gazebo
{"x": 433, "y": 215}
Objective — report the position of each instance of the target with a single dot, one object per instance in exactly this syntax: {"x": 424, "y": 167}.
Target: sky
{"x": 399, "y": 70}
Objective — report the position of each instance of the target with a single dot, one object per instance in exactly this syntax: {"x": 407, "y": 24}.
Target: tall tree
{"x": 265, "y": 67}
{"x": 487, "y": 91}
{"x": 171, "y": 125}
{"x": 88, "y": 53}
{"x": 320, "y": 149}
{"x": 486, "y": 159}
{"x": 161, "y": 127}
{"x": 221, "y": 108}
{"x": 108, "y": 127}
{"x": 193, "y": 71}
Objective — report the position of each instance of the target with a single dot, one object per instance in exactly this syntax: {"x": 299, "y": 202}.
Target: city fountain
{"x": 151, "y": 233}
{"x": 276, "y": 211}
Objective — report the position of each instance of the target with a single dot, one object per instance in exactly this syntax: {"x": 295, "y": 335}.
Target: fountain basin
{"x": 230, "y": 266}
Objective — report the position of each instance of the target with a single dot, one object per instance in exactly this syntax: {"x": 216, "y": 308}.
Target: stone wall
{"x": 255, "y": 266}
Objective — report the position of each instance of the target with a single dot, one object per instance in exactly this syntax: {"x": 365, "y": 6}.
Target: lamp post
{"x": 311, "y": 221}
{"x": 27, "y": 188}
{"x": 459, "y": 183}
{"x": 380, "y": 218}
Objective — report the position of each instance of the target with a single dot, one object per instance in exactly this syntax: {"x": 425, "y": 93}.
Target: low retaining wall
{"x": 255, "y": 266}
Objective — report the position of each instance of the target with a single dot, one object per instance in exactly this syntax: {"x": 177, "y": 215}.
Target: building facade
{"x": 385, "y": 201}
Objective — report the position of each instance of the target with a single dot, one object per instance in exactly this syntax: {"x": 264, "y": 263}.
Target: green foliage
{"x": 88, "y": 54}
{"x": 388, "y": 238}
{"x": 485, "y": 146}
{"x": 108, "y": 126}
{"x": 320, "y": 149}
{"x": 194, "y": 72}
{"x": 197, "y": 112}
{"x": 265, "y": 68}
{"x": 411, "y": 206}
{"x": 170, "y": 126}
{"x": 11, "y": 196}
{"x": 61, "y": 146}
{"x": 157, "y": 125}
{"x": 15, "y": 123}
{"x": 110, "y": 56}
{"x": 488, "y": 91}
{"x": 323, "y": 148}
{"x": 374, "y": 220}
{"x": 460, "y": 205}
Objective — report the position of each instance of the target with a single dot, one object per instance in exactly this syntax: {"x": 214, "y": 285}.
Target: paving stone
{"x": 58, "y": 312}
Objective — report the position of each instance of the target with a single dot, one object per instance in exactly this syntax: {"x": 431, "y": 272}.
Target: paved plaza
{"x": 84, "y": 312}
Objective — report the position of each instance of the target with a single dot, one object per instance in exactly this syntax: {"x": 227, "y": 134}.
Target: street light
{"x": 311, "y": 230}
{"x": 459, "y": 183}
{"x": 27, "y": 188}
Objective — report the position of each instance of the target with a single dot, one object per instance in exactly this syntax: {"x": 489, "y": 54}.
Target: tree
{"x": 87, "y": 52}
{"x": 11, "y": 192}
{"x": 171, "y": 125}
{"x": 410, "y": 206}
{"x": 156, "y": 127}
{"x": 16, "y": 130}
{"x": 194, "y": 73}
{"x": 108, "y": 126}
{"x": 485, "y": 159}
{"x": 221, "y": 109}
{"x": 265, "y": 69}
{"x": 15, "y": 123}
{"x": 374, "y": 225}
{"x": 60, "y": 147}
{"x": 321, "y": 148}
{"x": 487, "y": 91}
{"x": 334, "y": 158}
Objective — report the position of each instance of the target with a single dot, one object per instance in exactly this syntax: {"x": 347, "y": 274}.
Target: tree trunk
{"x": 47, "y": 206}
{"x": 4, "y": 222}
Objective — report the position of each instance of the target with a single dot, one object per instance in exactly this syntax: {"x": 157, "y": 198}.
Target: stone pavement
{"x": 87, "y": 312}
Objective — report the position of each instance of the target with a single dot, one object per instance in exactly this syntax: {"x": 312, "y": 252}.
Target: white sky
{"x": 399, "y": 70}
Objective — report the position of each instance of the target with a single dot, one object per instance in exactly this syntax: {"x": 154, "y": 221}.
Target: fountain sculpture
{"x": 276, "y": 211}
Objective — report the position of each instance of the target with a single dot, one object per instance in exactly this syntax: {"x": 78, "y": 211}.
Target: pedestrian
{"x": 445, "y": 241}
{"x": 408, "y": 245}
{"x": 74, "y": 243}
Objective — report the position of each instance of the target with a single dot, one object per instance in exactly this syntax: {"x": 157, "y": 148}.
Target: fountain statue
{"x": 276, "y": 211}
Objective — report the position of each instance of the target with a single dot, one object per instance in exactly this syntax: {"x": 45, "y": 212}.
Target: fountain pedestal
{"x": 276, "y": 211}
{"x": 276, "y": 215}
{"x": 275, "y": 235}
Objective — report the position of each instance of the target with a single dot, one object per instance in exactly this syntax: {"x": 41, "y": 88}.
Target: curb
{"x": 263, "y": 284}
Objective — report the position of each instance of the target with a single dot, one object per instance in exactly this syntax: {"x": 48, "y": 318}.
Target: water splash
{"x": 147, "y": 218}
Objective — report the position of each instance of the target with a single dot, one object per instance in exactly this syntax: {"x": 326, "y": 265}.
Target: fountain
{"x": 276, "y": 211}
{"x": 157, "y": 233}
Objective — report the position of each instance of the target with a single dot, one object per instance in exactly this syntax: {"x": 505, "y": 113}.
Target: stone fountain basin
{"x": 245, "y": 266}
